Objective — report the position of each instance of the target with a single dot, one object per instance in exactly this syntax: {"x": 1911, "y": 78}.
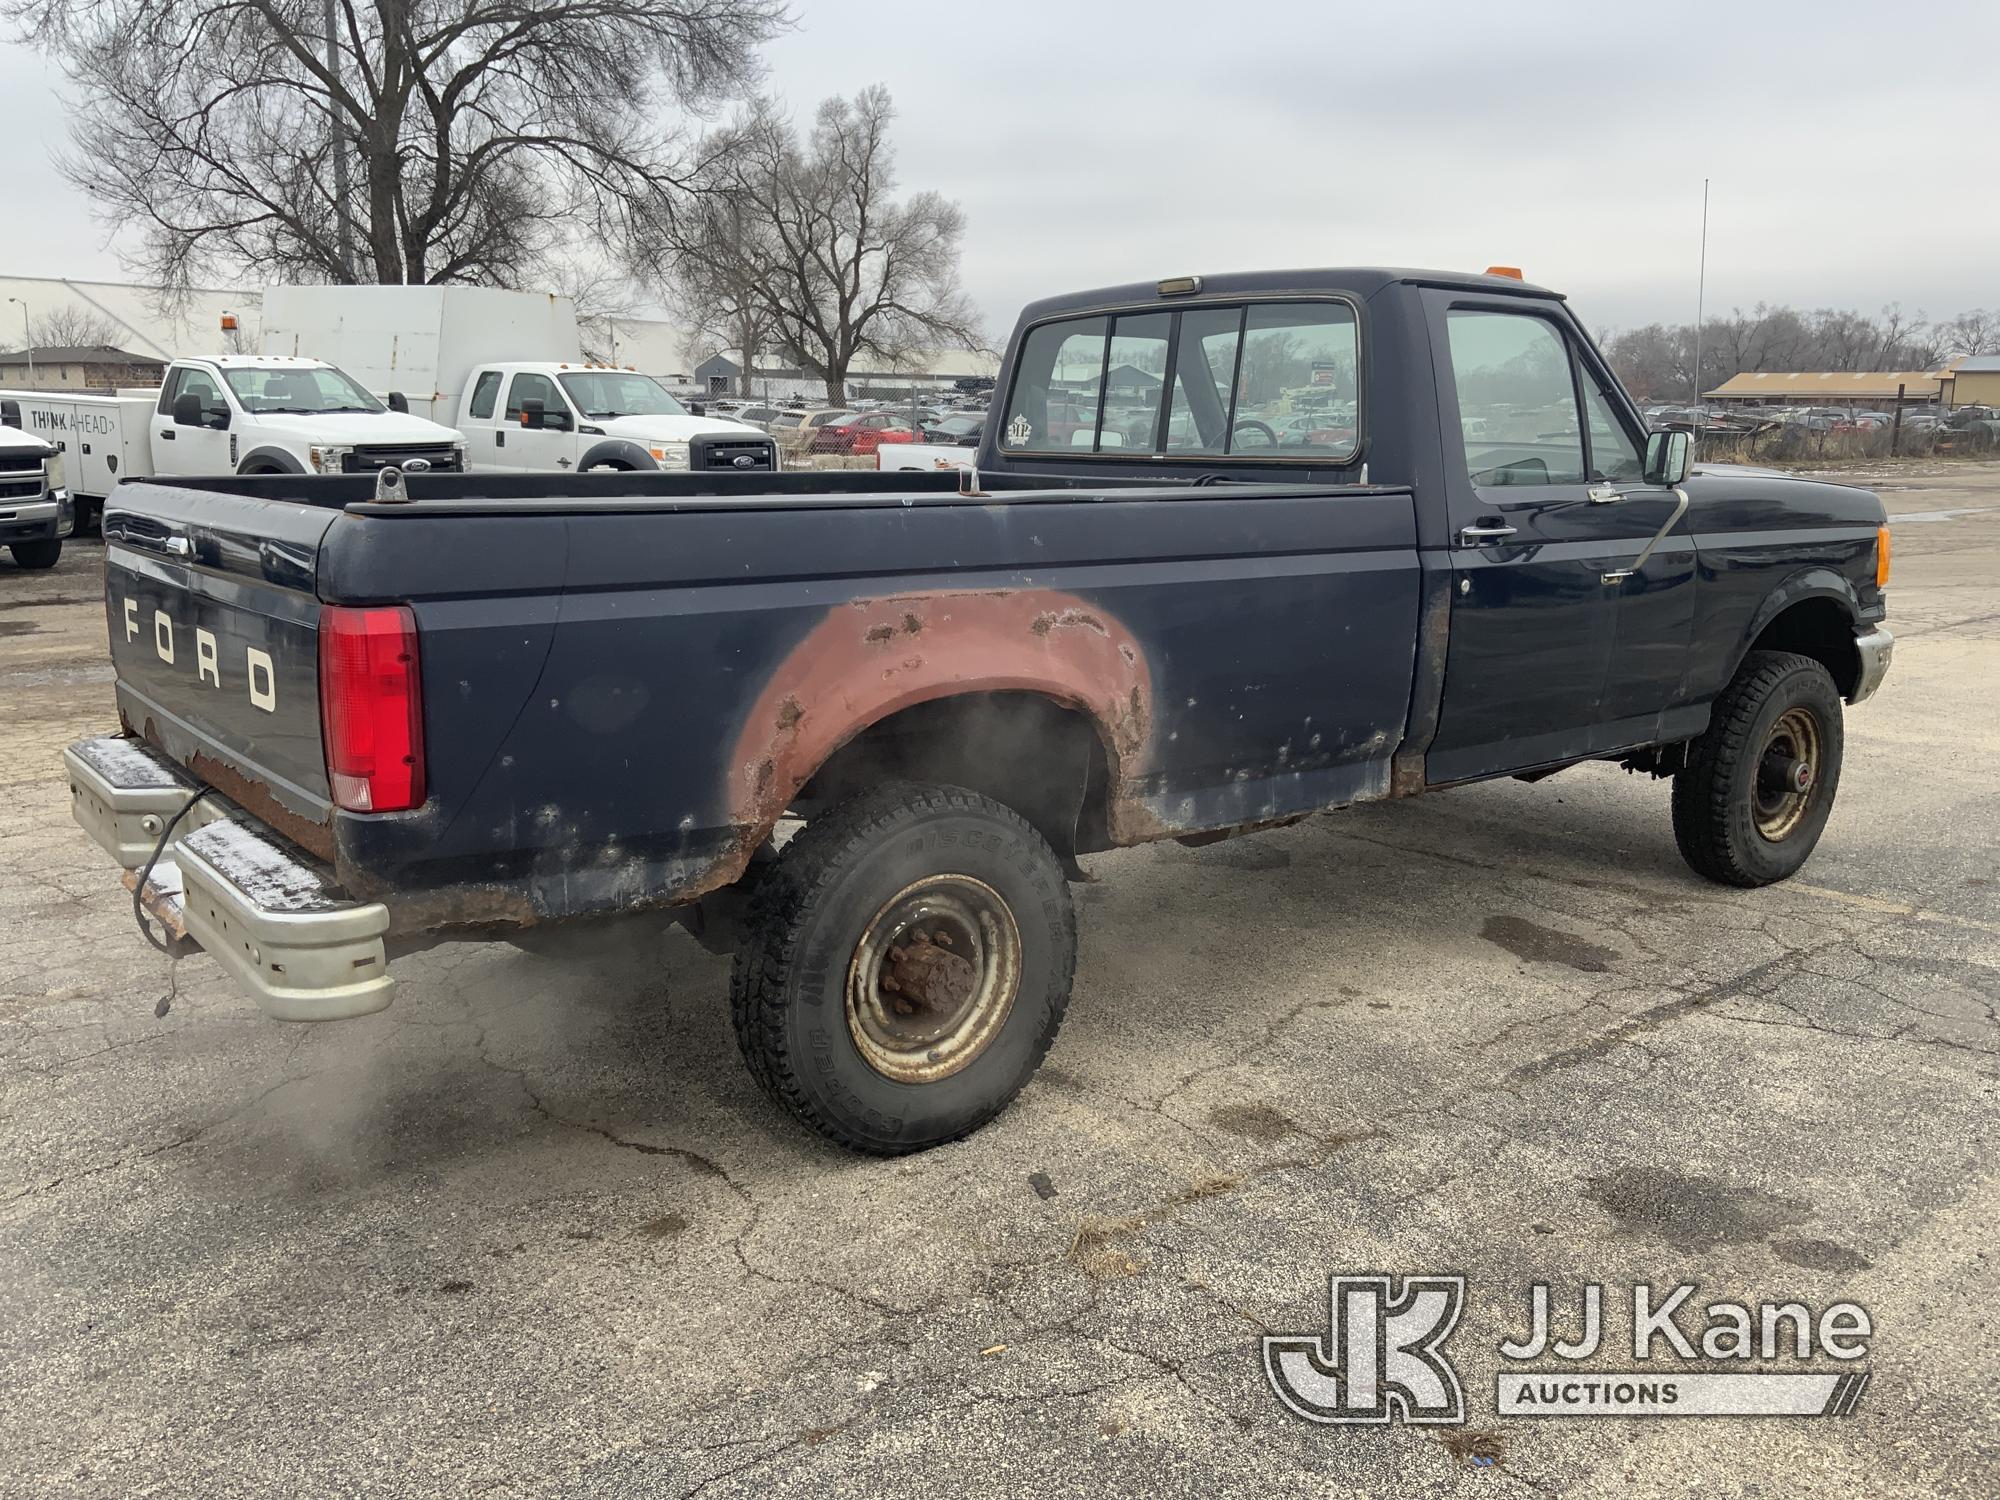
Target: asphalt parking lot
{"x": 533, "y": 1230}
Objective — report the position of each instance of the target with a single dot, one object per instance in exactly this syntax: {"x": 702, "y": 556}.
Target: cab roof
{"x": 1357, "y": 281}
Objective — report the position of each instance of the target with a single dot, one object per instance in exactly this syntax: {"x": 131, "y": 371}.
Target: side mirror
{"x": 697, "y": 409}
{"x": 187, "y": 410}
{"x": 399, "y": 402}
{"x": 532, "y": 412}
{"x": 1668, "y": 455}
{"x": 10, "y": 414}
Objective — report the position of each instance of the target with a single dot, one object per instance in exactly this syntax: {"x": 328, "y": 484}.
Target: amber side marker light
{"x": 1512, "y": 273}
{"x": 1882, "y": 558}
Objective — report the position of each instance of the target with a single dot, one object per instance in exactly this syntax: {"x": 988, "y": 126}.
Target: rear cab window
{"x": 1256, "y": 380}
{"x": 484, "y": 394}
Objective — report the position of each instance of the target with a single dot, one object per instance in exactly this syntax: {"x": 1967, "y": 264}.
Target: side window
{"x": 198, "y": 382}
{"x": 1204, "y": 369}
{"x": 1055, "y": 388}
{"x": 485, "y": 394}
{"x": 531, "y": 387}
{"x": 1298, "y": 389}
{"x": 1614, "y": 456}
{"x": 1135, "y": 376}
{"x": 1516, "y": 400}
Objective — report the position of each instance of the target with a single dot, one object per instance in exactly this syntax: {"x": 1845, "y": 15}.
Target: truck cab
{"x": 581, "y": 416}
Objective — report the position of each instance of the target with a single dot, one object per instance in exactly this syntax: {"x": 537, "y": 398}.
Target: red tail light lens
{"x": 371, "y": 707}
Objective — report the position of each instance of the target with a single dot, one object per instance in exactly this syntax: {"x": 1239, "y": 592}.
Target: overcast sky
{"x": 1851, "y": 147}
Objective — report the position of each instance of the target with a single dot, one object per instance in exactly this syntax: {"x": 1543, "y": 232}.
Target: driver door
{"x": 205, "y": 449}
{"x": 1532, "y": 616}
{"x": 547, "y": 448}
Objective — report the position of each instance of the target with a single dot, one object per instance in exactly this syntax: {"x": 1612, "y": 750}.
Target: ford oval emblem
{"x": 744, "y": 461}
{"x": 417, "y": 466}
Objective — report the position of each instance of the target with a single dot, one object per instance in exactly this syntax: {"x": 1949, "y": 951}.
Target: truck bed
{"x": 627, "y": 679}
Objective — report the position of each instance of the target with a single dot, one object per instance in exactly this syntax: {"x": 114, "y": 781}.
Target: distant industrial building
{"x": 1973, "y": 381}
{"x": 774, "y": 378}
{"x": 1829, "y": 387}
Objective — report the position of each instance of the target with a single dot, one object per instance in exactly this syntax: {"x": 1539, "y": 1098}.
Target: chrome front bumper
{"x": 1875, "y": 647}
{"x": 271, "y": 916}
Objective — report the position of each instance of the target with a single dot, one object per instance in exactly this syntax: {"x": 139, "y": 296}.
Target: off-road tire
{"x": 788, "y": 989}
{"x": 1714, "y": 793}
{"x": 36, "y": 555}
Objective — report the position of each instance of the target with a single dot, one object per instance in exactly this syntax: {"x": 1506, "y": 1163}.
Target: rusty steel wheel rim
{"x": 933, "y": 978}
{"x": 1788, "y": 773}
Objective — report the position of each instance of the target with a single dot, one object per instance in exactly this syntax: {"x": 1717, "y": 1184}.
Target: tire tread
{"x": 1702, "y": 812}
{"x": 812, "y": 861}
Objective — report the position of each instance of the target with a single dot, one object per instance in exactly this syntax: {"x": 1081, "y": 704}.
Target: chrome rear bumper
{"x": 1875, "y": 647}
{"x": 272, "y": 916}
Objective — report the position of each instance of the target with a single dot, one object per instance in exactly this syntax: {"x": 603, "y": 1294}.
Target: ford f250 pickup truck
{"x": 1237, "y": 550}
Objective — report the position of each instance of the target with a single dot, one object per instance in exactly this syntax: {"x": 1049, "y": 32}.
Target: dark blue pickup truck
{"x": 1237, "y": 550}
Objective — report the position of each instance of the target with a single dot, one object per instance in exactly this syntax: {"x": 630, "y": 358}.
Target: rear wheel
{"x": 42, "y": 554}
{"x": 907, "y": 964}
{"x": 1759, "y": 783}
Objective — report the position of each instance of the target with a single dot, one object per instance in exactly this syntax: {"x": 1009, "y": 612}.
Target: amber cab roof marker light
{"x": 1512, "y": 273}
{"x": 1179, "y": 286}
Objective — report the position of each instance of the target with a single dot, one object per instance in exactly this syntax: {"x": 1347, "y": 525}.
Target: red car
{"x": 861, "y": 432}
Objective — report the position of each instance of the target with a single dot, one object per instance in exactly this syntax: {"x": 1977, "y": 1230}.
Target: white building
{"x": 140, "y": 321}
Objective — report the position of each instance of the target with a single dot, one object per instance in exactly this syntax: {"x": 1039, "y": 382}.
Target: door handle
{"x": 1603, "y": 494}
{"x": 168, "y": 434}
{"x": 1474, "y": 536}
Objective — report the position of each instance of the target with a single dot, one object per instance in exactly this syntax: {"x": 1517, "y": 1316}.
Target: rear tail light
{"x": 371, "y": 707}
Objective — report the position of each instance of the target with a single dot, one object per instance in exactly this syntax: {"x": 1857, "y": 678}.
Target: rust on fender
{"x": 870, "y": 658}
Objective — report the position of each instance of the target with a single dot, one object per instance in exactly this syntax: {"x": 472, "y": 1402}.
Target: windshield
{"x": 308, "y": 391}
{"x": 618, "y": 393}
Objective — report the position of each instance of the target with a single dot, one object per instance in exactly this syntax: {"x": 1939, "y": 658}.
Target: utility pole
{"x": 1700, "y": 296}
{"x": 27, "y": 339}
{"x": 343, "y": 220}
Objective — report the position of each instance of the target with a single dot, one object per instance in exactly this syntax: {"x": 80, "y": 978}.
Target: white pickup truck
{"x": 508, "y": 369}
{"x": 35, "y": 508}
{"x": 580, "y": 416}
{"x": 231, "y": 414}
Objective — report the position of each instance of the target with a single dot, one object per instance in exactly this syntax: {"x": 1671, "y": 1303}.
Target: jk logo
{"x": 1380, "y": 1354}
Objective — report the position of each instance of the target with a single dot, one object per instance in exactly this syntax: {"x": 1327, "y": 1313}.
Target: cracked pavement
{"x": 533, "y": 1231}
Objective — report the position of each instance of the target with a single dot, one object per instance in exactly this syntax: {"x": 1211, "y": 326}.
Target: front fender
{"x": 1817, "y": 582}
{"x": 622, "y": 452}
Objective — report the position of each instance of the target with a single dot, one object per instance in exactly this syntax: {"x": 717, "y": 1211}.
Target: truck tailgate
{"x": 214, "y": 622}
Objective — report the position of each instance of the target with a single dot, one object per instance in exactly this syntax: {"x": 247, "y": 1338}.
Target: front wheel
{"x": 37, "y": 555}
{"x": 1759, "y": 783}
{"x": 907, "y": 964}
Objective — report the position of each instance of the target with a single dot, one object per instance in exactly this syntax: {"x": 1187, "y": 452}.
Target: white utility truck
{"x": 231, "y": 414}
{"x": 507, "y": 370}
{"x": 35, "y": 508}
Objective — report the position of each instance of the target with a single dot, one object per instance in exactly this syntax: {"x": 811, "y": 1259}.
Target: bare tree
{"x": 1655, "y": 362}
{"x": 383, "y": 140}
{"x": 74, "y": 326}
{"x": 800, "y": 239}
{"x": 1974, "y": 332}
